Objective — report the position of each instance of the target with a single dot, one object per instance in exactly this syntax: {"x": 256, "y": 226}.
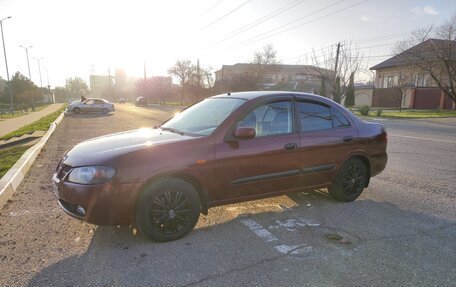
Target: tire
{"x": 105, "y": 111}
{"x": 350, "y": 181}
{"x": 76, "y": 110}
{"x": 167, "y": 209}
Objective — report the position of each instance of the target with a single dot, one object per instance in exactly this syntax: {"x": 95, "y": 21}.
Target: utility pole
{"x": 336, "y": 95}
{"x": 6, "y": 63}
{"x": 109, "y": 78}
{"x": 337, "y": 59}
{"x": 145, "y": 71}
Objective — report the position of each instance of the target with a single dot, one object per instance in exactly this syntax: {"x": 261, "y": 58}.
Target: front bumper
{"x": 103, "y": 204}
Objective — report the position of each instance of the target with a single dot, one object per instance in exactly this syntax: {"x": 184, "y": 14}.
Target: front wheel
{"x": 350, "y": 181}
{"x": 76, "y": 110}
{"x": 105, "y": 111}
{"x": 167, "y": 209}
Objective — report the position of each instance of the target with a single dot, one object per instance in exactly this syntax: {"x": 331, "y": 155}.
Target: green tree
{"x": 25, "y": 92}
{"x": 76, "y": 88}
{"x": 350, "y": 94}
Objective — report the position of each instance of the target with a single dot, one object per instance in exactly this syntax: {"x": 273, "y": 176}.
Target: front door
{"x": 267, "y": 163}
{"x": 88, "y": 106}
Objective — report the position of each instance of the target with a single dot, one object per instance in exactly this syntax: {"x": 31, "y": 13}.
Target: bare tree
{"x": 432, "y": 50}
{"x": 336, "y": 69}
{"x": 264, "y": 60}
{"x": 185, "y": 72}
{"x": 400, "y": 84}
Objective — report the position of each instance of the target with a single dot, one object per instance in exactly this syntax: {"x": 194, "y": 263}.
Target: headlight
{"x": 91, "y": 174}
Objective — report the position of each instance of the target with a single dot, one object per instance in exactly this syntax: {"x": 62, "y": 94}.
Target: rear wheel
{"x": 76, "y": 110}
{"x": 350, "y": 181}
{"x": 167, "y": 209}
{"x": 104, "y": 110}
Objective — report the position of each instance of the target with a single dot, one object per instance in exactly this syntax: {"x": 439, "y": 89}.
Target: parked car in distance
{"x": 122, "y": 101}
{"x": 224, "y": 149}
{"x": 141, "y": 102}
{"x": 91, "y": 105}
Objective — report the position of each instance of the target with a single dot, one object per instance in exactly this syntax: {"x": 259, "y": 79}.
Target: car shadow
{"x": 88, "y": 115}
{"x": 300, "y": 239}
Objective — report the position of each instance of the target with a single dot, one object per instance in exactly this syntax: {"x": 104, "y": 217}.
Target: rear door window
{"x": 314, "y": 117}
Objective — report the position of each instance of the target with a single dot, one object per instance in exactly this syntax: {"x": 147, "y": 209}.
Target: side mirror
{"x": 244, "y": 133}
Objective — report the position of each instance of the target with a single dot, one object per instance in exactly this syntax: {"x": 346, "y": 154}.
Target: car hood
{"x": 101, "y": 149}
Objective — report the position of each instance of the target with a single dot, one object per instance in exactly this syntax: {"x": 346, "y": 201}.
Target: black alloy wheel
{"x": 170, "y": 212}
{"x": 168, "y": 209}
{"x": 350, "y": 181}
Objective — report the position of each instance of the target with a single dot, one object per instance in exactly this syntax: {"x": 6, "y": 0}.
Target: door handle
{"x": 347, "y": 139}
{"x": 291, "y": 146}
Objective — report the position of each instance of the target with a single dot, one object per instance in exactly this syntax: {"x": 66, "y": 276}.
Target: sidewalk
{"x": 9, "y": 125}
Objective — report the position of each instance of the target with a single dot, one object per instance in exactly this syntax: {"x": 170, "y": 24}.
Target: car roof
{"x": 264, "y": 94}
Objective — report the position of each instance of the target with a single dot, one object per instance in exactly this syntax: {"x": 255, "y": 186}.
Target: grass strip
{"x": 40, "y": 125}
{"x": 10, "y": 156}
{"x": 411, "y": 114}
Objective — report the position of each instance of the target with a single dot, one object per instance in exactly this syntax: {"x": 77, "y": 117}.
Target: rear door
{"x": 326, "y": 138}
{"x": 99, "y": 105}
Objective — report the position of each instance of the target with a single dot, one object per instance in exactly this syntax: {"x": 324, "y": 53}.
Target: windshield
{"x": 204, "y": 117}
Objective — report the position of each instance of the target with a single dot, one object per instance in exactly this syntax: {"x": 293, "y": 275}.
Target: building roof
{"x": 308, "y": 69}
{"x": 424, "y": 50}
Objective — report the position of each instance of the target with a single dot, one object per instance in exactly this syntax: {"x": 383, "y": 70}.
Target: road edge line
{"x": 13, "y": 178}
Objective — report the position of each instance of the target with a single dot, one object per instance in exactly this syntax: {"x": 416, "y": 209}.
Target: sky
{"x": 77, "y": 38}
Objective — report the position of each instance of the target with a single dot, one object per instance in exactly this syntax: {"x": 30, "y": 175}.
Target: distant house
{"x": 277, "y": 76}
{"x": 403, "y": 71}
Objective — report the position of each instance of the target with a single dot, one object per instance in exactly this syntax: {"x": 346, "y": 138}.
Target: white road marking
{"x": 267, "y": 236}
{"x": 293, "y": 223}
{"x": 294, "y": 249}
{"x": 421, "y": 138}
{"x": 28, "y": 212}
{"x": 259, "y": 230}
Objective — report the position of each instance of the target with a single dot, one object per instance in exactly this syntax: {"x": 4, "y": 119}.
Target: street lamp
{"x": 6, "y": 63}
{"x": 39, "y": 70}
{"x": 28, "y": 64}
{"x": 30, "y": 75}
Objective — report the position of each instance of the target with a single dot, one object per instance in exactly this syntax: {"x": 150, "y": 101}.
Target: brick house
{"x": 420, "y": 89}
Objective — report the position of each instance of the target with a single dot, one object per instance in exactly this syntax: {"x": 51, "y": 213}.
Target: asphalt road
{"x": 400, "y": 232}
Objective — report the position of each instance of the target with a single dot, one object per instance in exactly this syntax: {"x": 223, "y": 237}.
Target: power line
{"x": 247, "y": 42}
{"x": 321, "y": 51}
{"x": 257, "y": 22}
{"x": 226, "y": 15}
{"x": 291, "y": 22}
{"x": 212, "y": 7}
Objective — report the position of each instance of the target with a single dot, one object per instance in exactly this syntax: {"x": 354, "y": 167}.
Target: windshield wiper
{"x": 173, "y": 130}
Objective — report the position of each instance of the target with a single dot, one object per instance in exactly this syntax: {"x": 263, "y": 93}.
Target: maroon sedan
{"x": 225, "y": 149}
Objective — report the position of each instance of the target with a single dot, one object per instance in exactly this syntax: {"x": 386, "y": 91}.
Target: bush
{"x": 364, "y": 110}
{"x": 379, "y": 112}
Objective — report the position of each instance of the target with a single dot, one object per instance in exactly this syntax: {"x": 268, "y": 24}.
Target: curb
{"x": 11, "y": 180}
